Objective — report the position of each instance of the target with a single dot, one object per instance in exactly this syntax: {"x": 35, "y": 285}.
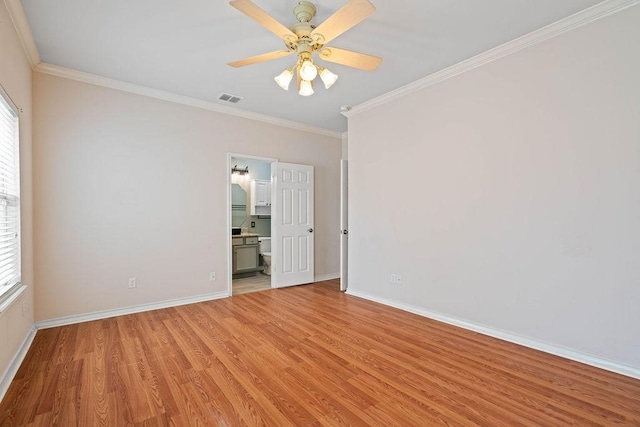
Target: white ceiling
{"x": 183, "y": 47}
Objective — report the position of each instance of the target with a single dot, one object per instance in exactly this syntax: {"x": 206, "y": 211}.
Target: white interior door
{"x": 292, "y": 222}
{"x": 344, "y": 228}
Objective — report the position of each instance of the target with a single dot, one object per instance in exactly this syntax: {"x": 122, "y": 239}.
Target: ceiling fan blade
{"x": 263, "y": 18}
{"x": 350, "y": 58}
{"x": 349, "y": 15}
{"x": 260, "y": 58}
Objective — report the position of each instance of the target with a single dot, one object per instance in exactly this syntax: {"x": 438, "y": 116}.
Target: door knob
{"x": 310, "y": 230}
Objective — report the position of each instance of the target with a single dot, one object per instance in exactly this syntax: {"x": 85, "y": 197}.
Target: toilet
{"x": 265, "y": 253}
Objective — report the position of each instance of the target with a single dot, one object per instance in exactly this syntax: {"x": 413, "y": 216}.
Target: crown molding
{"x": 96, "y": 80}
{"x": 555, "y": 29}
{"x": 19, "y": 20}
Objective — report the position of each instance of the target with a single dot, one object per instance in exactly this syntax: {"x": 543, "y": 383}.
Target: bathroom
{"x": 251, "y": 225}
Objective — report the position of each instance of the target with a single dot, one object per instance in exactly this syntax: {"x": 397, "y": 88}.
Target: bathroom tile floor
{"x": 259, "y": 282}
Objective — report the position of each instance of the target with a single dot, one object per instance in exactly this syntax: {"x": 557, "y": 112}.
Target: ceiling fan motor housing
{"x": 303, "y": 32}
{"x": 304, "y": 11}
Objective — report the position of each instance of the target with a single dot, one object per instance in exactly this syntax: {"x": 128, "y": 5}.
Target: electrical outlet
{"x": 253, "y": 224}
{"x": 132, "y": 282}
{"x": 212, "y": 276}
{"x": 396, "y": 279}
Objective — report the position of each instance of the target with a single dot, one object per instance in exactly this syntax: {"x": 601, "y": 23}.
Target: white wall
{"x": 15, "y": 78}
{"x": 130, "y": 186}
{"x": 509, "y": 196}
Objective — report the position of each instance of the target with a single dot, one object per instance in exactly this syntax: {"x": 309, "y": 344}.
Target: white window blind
{"x": 9, "y": 196}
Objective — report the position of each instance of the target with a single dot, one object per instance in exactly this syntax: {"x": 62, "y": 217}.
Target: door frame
{"x": 228, "y": 239}
{"x": 344, "y": 225}
{"x": 344, "y": 213}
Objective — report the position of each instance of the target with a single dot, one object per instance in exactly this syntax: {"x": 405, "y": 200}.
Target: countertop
{"x": 246, "y": 235}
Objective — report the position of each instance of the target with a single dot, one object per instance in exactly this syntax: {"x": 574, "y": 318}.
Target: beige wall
{"x": 15, "y": 78}
{"x": 130, "y": 186}
{"x": 509, "y": 196}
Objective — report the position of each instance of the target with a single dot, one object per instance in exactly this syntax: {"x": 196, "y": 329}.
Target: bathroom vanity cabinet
{"x": 245, "y": 255}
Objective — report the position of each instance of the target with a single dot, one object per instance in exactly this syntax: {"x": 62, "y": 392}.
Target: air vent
{"x": 229, "y": 98}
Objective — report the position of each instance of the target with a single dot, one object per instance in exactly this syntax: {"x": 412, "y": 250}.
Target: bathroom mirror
{"x": 238, "y": 206}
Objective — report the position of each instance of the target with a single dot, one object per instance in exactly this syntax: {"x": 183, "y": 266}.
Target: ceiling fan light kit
{"x": 304, "y": 39}
{"x": 284, "y": 78}
{"x": 308, "y": 71}
{"x": 306, "y": 88}
{"x": 327, "y": 77}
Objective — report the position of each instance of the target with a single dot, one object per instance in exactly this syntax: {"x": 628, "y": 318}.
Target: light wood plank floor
{"x": 302, "y": 356}
{"x": 259, "y": 282}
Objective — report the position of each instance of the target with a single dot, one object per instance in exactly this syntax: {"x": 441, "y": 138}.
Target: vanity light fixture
{"x": 236, "y": 170}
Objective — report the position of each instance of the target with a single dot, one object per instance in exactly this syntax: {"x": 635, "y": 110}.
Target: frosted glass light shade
{"x": 306, "y": 89}
{"x": 328, "y": 78}
{"x": 308, "y": 71}
{"x": 284, "y": 78}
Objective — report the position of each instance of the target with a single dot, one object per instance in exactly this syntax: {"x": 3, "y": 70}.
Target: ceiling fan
{"x": 304, "y": 39}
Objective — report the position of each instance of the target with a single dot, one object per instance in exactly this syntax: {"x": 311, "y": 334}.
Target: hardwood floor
{"x": 302, "y": 356}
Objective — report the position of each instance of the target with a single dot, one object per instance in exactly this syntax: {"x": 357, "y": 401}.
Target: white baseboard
{"x": 326, "y": 277}
{"x": 104, "y": 314}
{"x": 588, "y": 359}
{"x": 12, "y": 369}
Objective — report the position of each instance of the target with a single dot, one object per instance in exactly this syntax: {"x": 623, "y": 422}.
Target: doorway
{"x": 250, "y": 218}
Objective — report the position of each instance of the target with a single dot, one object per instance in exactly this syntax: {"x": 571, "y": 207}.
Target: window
{"x": 9, "y": 197}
